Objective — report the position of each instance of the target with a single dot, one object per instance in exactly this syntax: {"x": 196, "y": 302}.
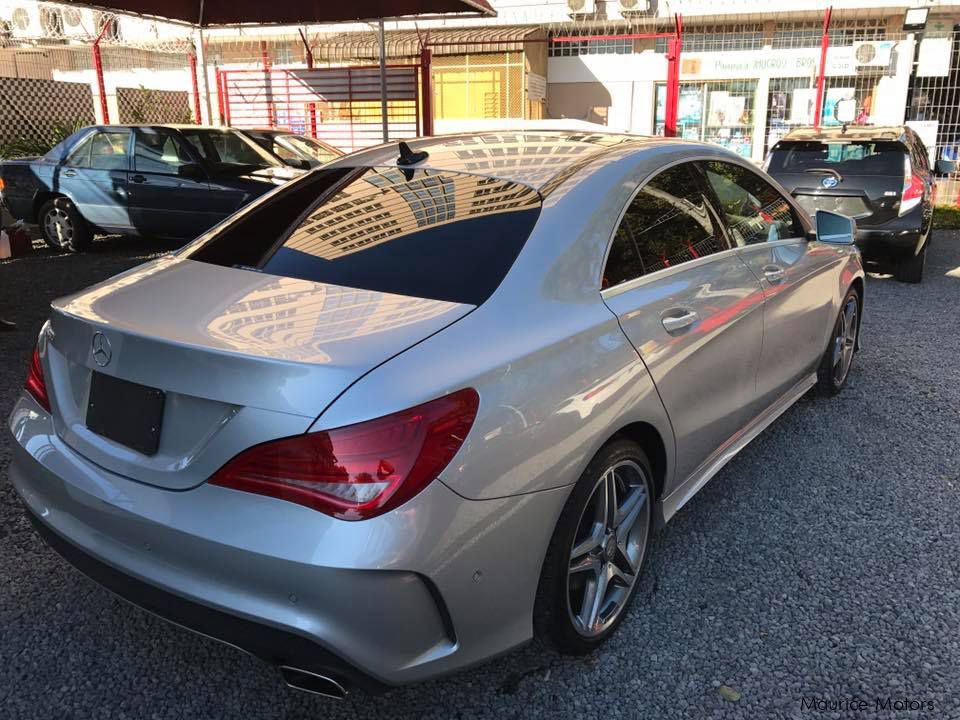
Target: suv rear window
{"x": 850, "y": 158}
{"x": 423, "y": 233}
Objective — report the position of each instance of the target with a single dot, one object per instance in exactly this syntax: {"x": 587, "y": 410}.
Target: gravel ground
{"x": 822, "y": 563}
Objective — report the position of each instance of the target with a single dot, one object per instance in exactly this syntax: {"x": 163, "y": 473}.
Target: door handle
{"x": 69, "y": 173}
{"x": 673, "y": 323}
{"x": 138, "y": 179}
{"x": 774, "y": 273}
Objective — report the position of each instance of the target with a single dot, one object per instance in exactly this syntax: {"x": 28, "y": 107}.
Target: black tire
{"x": 830, "y": 378}
{"x": 911, "y": 271}
{"x": 62, "y": 227}
{"x": 553, "y": 617}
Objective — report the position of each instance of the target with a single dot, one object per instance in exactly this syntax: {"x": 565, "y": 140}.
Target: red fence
{"x": 342, "y": 103}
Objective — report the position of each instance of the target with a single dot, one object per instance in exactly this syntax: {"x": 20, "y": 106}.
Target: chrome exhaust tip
{"x": 313, "y": 683}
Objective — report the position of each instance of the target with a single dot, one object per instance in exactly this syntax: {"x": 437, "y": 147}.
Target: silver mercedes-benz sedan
{"x": 425, "y": 403}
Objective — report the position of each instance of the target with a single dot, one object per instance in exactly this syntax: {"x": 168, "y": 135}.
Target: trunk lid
{"x": 242, "y": 357}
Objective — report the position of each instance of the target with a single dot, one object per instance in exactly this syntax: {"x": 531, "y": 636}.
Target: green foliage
{"x": 31, "y": 146}
{"x": 946, "y": 217}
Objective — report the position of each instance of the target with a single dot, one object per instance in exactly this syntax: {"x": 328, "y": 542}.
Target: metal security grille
{"x": 342, "y": 103}
{"x": 709, "y": 38}
{"x": 612, "y": 46}
{"x": 842, "y": 32}
{"x": 483, "y": 85}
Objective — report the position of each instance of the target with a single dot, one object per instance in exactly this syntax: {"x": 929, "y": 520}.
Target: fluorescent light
{"x": 915, "y": 18}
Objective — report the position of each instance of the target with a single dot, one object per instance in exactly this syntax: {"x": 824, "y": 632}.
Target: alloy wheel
{"x": 608, "y": 548}
{"x": 58, "y": 226}
{"x": 845, "y": 340}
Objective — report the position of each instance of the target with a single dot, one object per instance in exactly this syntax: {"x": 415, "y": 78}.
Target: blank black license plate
{"x": 125, "y": 412}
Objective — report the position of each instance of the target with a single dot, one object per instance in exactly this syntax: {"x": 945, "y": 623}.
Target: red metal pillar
{"x": 822, "y": 72}
{"x": 98, "y": 69}
{"x": 311, "y": 107}
{"x": 218, "y": 74}
{"x": 196, "y": 89}
{"x": 267, "y": 85}
{"x": 672, "y": 102}
{"x": 226, "y": 96}
{"x": 426, "y": 90}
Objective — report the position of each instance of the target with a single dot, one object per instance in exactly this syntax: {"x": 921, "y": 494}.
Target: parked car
{"x": 295, "y": 150}
{"x": 880, "y": 176}
{"x": 406, "y": 413}
{"x": 163, "y": 181}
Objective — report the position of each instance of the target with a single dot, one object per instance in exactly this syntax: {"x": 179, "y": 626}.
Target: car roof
{"x": 849, "y": 132}
{"x": 536, "y": 158}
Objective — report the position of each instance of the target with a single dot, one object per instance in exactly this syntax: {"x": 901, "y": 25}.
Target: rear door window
{"x": 424, "y": 233}
{"x": 847, "y": 158}
{"x": 666, "y": 224}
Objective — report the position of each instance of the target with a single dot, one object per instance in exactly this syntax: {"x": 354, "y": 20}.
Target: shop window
{"x": 719, "y": 112}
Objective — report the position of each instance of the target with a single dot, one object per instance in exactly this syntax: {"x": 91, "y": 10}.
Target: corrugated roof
{"x": 407, "y": 43}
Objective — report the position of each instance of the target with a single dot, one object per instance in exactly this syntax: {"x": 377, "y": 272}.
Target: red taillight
{"x": 35, "y": 384}
{"x": 358, "y": 471}
{"x": 912, "y": 193}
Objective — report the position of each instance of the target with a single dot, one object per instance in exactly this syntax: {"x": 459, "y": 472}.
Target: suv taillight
{"x": 35, "y": 384}
{"x": 358, "y": 471}
{"x": 912, "y": 194}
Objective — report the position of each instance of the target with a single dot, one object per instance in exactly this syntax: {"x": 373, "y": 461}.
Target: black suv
{"x": 880, "y": 176}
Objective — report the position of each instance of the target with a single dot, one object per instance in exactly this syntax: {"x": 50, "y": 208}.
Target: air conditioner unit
{"x": 51, "y": 22}
{"x": 76, "y": 23}
{"x": 633, "y": 6}
{"x": 873, "y": 53}
{"x": 580, "y": 7}
{"x": 25, "y": 21}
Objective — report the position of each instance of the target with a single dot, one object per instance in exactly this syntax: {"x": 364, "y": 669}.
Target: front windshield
{"x": 308, "y": 147}
{"x": 225, "y": 148}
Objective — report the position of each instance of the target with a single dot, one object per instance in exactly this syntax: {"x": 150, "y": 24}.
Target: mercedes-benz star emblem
{"x": 100, "y": 346}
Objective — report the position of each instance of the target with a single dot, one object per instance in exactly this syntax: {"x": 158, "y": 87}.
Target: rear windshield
{"x": 424, "y": 233}
{"x": 850, "y": 158}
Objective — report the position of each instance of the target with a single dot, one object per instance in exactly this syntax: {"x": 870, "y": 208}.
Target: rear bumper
{"x": 893, "y": 242}
{"x": 267, "y": 643}
{"x": 382, "y": 602}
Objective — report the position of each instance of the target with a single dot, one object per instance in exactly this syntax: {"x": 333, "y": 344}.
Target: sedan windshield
{"x": 226, "y": 149}
{"x": 308, "y": 147}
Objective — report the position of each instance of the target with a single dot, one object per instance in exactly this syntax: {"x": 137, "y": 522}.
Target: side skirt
{"x": 670, "y": 505}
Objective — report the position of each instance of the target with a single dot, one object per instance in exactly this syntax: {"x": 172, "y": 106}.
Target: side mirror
{"x": 946, "y": 167}
{"x": 191, "y": 171}
{"x": 835, "y": 229}
{"x": 299, "y": 163}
